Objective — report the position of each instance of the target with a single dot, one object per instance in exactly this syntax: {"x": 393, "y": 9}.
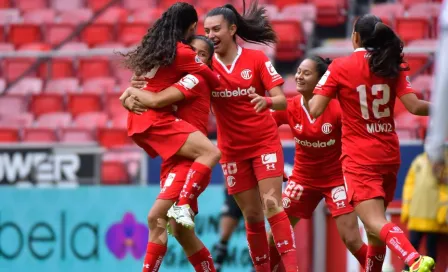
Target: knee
{"x": 215, "y": 154}
{"x": 253, "y": 216}
{"x": 156, "y": 221}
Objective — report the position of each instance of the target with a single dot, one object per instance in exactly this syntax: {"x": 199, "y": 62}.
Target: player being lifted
{"x": 366, "y": 83}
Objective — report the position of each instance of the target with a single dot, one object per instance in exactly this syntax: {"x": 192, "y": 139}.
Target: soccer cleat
{"x": 423, "y": 264}
{"x": 182, "y": 214}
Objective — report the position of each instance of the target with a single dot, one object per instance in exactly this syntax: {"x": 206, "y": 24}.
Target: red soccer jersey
{"x": 318, "y": 141}
{"x": 243, "y": 133}
{"x": 367, "y": 102}
{"x": 194, "y": 109}
{"x": 160, "y": 78}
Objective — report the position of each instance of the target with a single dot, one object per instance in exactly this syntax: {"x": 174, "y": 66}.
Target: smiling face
{"x": 202, "y": 49}
{"x": 307, "y": 76}
{"x": 218, "y": 30}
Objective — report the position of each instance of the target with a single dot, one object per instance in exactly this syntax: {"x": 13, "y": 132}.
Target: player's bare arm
{"x": 415, "y": 105}
{"x": 276, "y": 101}
{"x": 138, "y": 82}
{"x": 133, "y": 105}
{"x": 161, "y": 99}
{"x": 318, "y": 104}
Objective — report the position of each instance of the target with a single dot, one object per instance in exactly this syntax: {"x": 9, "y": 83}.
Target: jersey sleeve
{"x": 328, "y": 83}
{"x": 191, "y": 85}
{"x": 269, "y": 76}
{"x": 189, "y": 62}
{"x": 404, "y": 85}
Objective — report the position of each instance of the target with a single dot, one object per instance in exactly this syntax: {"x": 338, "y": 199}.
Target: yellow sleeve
{"x": 408, "y": 190}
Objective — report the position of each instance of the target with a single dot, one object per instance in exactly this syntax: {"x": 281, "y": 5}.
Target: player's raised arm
{"x": 324, "y": 91}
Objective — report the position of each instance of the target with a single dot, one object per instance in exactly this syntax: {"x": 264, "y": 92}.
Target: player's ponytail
{"x": 384, "y": 46}
{"x": 321, "y": 64}
{"x": 253, "y": 26}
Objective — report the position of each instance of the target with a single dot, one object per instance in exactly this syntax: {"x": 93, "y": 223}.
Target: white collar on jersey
{"x": 359, "y": 49}
{"x": 238, "y": 54}
{"x": 306, "y": 111}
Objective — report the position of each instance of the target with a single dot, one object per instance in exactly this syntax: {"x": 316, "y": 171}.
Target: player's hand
{"x": 438, "y": 169}
{"x": 132, "y": 104}
{"x": 260, "y": 102}
{"x": 138, "y": 82}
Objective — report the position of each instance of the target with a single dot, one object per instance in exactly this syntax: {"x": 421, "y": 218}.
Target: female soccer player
{"x": 317, "y": 171}
{"x": 252, "y": 155}
{"x": 163, "y": 59}
{"x": 192, "y": 95}
{"x": 366, "y": 84}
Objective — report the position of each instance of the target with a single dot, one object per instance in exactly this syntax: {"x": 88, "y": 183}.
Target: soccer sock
{"x": 202, "y": 261}
{"x": 258, "y": 246}
{"x": 220, "y": 252}
{"x": 284, "y": 240}
{"x": 153, "y": 257}
{"x": 396, "y": 241}
{"x": 375, "y": 258}
{"x": 361, "y": 255}
{"x": 197, "y": 180}
{"x": 274, "y": 259}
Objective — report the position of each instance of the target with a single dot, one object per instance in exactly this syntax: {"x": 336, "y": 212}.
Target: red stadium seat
{"x": 46, "y": 103}
{"x": 61, "y": 5}
{"x": 35, "y": 47}
{"x": 147, "y": 16}
{"x": 8, "y": 135}
{"x": 165, "y": 4}
{"x": 54, "y": 120}
{"x": 416, "y": 62}
{"x": 139, "y": 4}
{"x": 122, "y": 74}
{"x": 93, "y": 67}
{"x": 120, "y": 121}
{"x": 423, "y": 85}
{"x": 23, "y": 119}
{"x": 288, "y": 46}
{"x": 282, "y": 3}
{"x": 41, "y": 135}
{"x": 25, "y": 5}
{"x": 39, "y": 16}
{"x": 113, "y": 106}
{"x": 56, "y": 33}
{"x": 114, "y": 173}
{"x": 2, "y": 33}
{"x": 12, "y": 104}
{"x": 113, "y": 15}
{"x": 76, "y": 135}
{"x": 82, "y": 103}
{"x": 76, "y": 16}
{"x": 4, "y": 4}
{"x": 96, "y": 5}
{"x": 28, "y": 85}
{"x": 113, "y": 137}
{"x": 412, "y": 28}
{"x": 98, "y": 33}
{"x": 409, "y": 3}
{"x": 15, "y": 67}
{"x": 62, "y": 85}
{"x": 20, "y": 34}
{"x": 91, "y": 120}
{"x": 99, "y": 85}
{"x": 388, "y": 12}
{"x": 9, "y": 16}
{"x": 132, "y": 33}
{"x": 330, "y": 12}
{"x": 300, "y": 12}
{"x": 6, "y": 47}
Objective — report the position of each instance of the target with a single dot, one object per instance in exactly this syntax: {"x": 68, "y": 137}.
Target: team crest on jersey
{"x": 271, "y": 68}
{"x": 189, "y": 82}
{"x": 408, "y": 79}
{"x": 327, "y": 128}
{"x": 246, "y": 74}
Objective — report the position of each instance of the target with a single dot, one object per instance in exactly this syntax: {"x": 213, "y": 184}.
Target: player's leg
{"x": 274, "y": 257}
{"x": 415, "y": 237}
{"x": 230, "y": 218}
{"x": 157, "y": 244}
{"x": 268, "y": 169}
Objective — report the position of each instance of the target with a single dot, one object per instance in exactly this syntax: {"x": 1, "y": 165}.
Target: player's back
{"x": 367, "y": 102}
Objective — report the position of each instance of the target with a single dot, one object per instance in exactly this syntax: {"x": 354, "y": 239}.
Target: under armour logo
{"x": 195, "y": 185}
{"x": 146, "y": 266}
{"x": 264, "y": 257}
{"x": 280, "y": 244}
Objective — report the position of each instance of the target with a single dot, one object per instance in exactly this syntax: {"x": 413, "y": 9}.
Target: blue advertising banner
{"x": 94, "y": 229}
{"x": 408, "y": 152}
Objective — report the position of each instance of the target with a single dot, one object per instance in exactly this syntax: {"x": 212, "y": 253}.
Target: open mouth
{"x": 216, "y": 43}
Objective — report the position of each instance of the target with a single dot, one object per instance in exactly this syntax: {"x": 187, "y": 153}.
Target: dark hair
{"x": 253, "y": 26}
{"x": 321, "y": 64}
{"x": 384, "y": 46}
{"x": 158, "y": 46}
{"x": 211, "y": 46}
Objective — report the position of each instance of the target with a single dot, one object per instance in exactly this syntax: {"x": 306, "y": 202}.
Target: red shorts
{"x": 364, "y": 182}
{"x": 173, "y": 181}
{"x": 300, "y": 199}
{"x": 244, "y": 175}
{"x": 164, "y": 138}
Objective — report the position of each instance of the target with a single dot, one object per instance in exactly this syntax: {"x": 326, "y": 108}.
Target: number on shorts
{"x": 294, "y": 190}
{"x": 229, "y": 168}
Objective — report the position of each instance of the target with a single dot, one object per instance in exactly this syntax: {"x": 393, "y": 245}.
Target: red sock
{"x": 375, "y": 258}
{"x": 396, "y": 241}
{"x": 153, "y": 257}
{"x": 202, "y": 261}
{"x": 258, "y": 246}
{"x": 197, "y": 180}
{"x": 284, "y": 240}
{"x": 275, "y": 259}
{"x": 361, "y": 255}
